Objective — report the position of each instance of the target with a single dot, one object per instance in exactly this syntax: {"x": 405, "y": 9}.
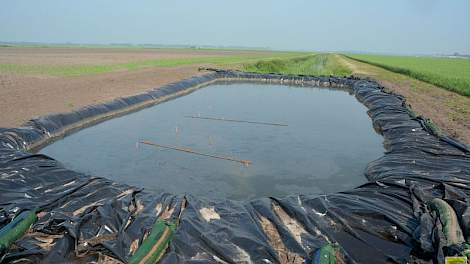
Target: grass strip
{"x": 450, "y": 74}
{"x": 318, "y": 65}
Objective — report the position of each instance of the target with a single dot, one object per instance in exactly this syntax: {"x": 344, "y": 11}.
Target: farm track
{"x": 448, "y": 110}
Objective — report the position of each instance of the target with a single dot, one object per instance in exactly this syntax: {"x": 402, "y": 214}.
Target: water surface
{"x": 325, "y": 147}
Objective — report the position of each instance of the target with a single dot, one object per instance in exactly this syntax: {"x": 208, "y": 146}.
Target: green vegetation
{"x": 320, "y": 65}
{"x": 423, "y": 96}
{"x": 449, "y": 73}
{"x": 83, "y": 69}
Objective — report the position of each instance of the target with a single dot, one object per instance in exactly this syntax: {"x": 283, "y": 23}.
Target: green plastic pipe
{"x": 153, "y": 247}
{"x": 16, "y": 229}
{"x": 327, "y": 254}
{"x": 451, "y": 229}
{"x": 450, "y": 222}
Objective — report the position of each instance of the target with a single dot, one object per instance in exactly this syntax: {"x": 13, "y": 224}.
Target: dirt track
{"x": 450, "y": 111}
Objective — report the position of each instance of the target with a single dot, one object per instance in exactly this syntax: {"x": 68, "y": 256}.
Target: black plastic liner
{"x": 85, "y": 219}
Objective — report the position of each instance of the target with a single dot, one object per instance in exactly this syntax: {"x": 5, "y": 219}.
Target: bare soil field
{"x": 23, "y": 97}
{"x": 71, "y": 56}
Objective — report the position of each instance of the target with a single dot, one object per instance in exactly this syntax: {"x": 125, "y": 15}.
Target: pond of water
{"x": 325, "y": 143}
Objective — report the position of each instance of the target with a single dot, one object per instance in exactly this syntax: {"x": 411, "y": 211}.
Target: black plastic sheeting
{"x": 85, "y": 219}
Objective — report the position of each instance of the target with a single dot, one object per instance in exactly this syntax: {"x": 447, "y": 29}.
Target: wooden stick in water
{"x": 188, "y": 150}
{"x": 237, "y": 121}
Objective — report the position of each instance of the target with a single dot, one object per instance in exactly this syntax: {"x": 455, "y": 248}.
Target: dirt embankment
{"x": 448, "y": 110}
{"x": 25, "y": 97}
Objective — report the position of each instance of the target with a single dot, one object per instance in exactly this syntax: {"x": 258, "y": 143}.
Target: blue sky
{"x": 398, "y": 26}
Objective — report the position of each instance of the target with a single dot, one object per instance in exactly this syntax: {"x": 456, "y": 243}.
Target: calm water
{"x": 325, "y": 147}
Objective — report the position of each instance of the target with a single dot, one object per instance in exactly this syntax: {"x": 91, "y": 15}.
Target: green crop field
{"x": 84, "y": 69}
{"x": 320, "y": 65}
{"x": 450, "y": 73}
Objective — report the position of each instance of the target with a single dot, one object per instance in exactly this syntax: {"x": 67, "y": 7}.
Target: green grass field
{"x": 84, "y": 69}
{"x": 449, "y": 73}
{"x": 320, "y": 65}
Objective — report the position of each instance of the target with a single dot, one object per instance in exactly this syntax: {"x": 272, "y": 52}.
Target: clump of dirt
{"x": 292, "y": 225}
{"x": 275, "y": 241}
{"x": 167, "y": 213}
{"x": 209, "y": 214}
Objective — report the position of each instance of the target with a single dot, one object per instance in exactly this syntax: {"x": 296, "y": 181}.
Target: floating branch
{"x": 237, "y": 121}
{"x": 188, "y": 150}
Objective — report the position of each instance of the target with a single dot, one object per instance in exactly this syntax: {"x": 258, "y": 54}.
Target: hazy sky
{"x": 392, "y": 26}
